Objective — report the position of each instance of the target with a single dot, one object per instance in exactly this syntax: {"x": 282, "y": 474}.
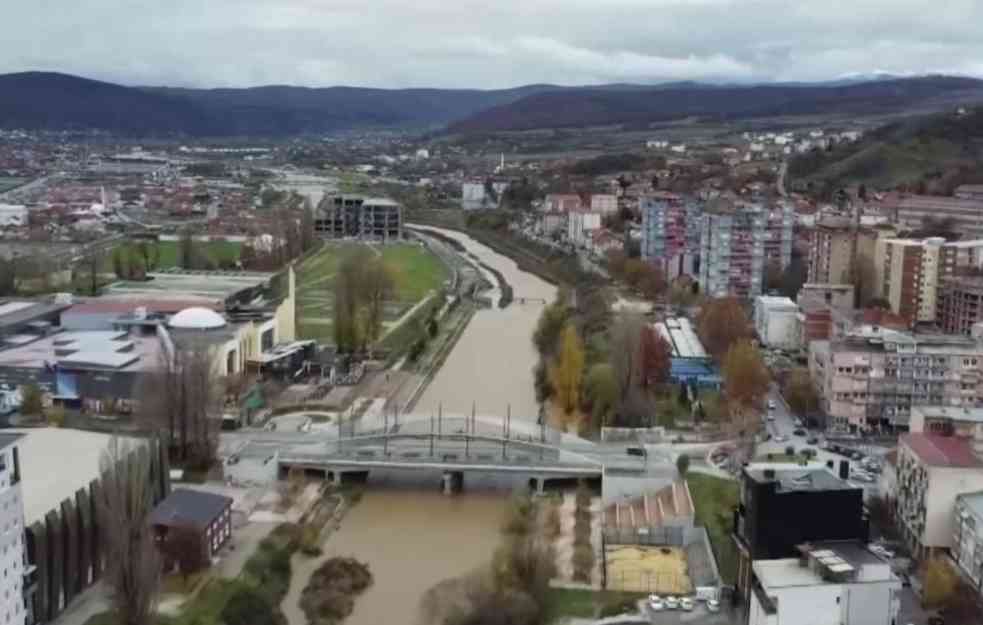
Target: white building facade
{"x": 776, "y": 321}
{"x": 13, "y": 555}
{"x": 967, "y": 537}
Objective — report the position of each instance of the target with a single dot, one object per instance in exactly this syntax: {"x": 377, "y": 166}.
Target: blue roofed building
{"x": 690, "y": 363}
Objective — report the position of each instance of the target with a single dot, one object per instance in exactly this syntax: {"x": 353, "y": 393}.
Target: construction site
{"x": 355, "y": 216}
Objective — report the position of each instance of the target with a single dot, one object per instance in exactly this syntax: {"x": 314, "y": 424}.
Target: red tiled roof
{"x": 941, "y": 451}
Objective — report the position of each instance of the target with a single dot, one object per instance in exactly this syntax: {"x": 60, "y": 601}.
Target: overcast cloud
{"x": 487, "y": 43}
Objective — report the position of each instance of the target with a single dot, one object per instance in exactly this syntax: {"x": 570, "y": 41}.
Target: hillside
{"x": 51, "y": 101}
{"x": 599, "y": 107}
{"x": 937, "y": 152}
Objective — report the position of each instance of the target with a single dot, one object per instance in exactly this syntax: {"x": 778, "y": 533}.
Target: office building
{"x": 829, "y": 582}
{"x": 910, "y": 272}
{"x": 872, "y": 377}
{"x": 932, "y": 470}
{"x": 785, "y": 505}
{"x": 355, "y": 216}
{"x": 737, "y": 240}
{"x": 776, "y": 322}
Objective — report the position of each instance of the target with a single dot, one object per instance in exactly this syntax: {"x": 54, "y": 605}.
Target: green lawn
{"x": 562, "y": 603}
{"x": 220, "y": 254}
{"x": 415, "y": 271}
{"x": 715, "y": 499}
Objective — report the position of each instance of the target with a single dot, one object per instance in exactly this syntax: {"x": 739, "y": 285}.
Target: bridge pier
{"x": 537, "y": 485}
{"x": 339, "y": 477}
{"x": 452, "y": 482}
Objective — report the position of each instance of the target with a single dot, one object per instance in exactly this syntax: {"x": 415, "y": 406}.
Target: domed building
{"x": 197, "y": 318}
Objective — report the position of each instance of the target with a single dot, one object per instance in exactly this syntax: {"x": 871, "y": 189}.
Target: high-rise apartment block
{"x": 737, "y": 240}
{"x": 960, "y": 304}
{"x": 871, "y": 377}
{"x": 910, "y": 272}
{"x": 17, "y": 580}
{"x": 671, "y": 233}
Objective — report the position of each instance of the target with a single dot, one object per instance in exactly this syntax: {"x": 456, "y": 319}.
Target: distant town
{"x": 710, "y": 373}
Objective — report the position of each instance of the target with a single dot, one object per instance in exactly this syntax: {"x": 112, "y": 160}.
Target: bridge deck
{"x": 454, "y": 462}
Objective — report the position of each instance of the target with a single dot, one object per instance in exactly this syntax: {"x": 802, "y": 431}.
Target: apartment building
{"x": 671, "y": 229}
{"x": 736, "y": 241}
{"x": 932, "y": 471}
{"x": 871, "y": 378}
{"x": 831, "y": 250}
{"x": 563, "y": 203}
{"x": 960, "y": 304}
{"x": 604, "y": 203}
{"x": 967, "y": 537}
{"x": 17, "y": 582}
{"x": 581, "y": 227}
{"x": 344, "y": 216}
{"x": 910, "y": 272}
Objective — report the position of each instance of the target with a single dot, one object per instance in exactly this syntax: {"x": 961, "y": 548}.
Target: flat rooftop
{"x": 842, "y": 557}
{"x": 794, "y": 477}
{"x": 85, "y": 349}
{"x": 54, "y": 463}
{"x": 209, "y": 284}
{"x": 950, "y": 412}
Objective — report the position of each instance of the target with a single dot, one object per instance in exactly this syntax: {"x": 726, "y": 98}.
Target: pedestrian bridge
{"x": 453, "y": 454}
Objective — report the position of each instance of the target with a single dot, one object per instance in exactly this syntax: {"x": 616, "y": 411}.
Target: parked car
{"x": 637, "y": 451}
{"x": 672, "y": 603}
{"x": 771, "y": 404}
{"x": 713, "y": 605}
{"x": 771, "y": 417}
{"x": 656, "y": 604}
{"x": 780, "y": 439}
{"x": 813, "y": 440}
{"x": 686, "y": 604}
{"x": 799, "y": 432}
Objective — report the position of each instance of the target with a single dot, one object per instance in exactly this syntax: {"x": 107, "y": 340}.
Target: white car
{"x": 656, "y": 604}
{"x": 672, "y": 603}
{"x": 713, "y": 605}
{"x": 780, "y": 439}
{"x": 771, "y": 404}
{"x": 686, "y": 604}
{"x": 771, "y": 417}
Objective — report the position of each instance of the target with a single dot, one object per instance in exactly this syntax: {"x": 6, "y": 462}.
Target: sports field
{"x": 219, "y": 254}
{"x": 416, "y": 272}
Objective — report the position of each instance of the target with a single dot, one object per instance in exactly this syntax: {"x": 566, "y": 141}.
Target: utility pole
{"x": 431, "y": 434}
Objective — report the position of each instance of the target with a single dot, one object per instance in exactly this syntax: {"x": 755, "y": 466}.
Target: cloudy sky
{"x": 487, "y": 43}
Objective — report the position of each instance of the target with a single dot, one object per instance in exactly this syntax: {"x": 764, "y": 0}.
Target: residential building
{"x": 825, "y": 311}
{"x": 563, "y": 203}
{"x": 932, "y": 470}
{"x": 479, "y": 194}
{"x": 604, "y": 203}
{"x": 831, "y": 250}
{"x": 967, "y": 537}
{"x": 960, "y": 304}
{"x": 969, "y": 192}
{"x": 207, "y": 516}
{"x": 829, "y": 582}
{"x": 671, "y": 231}
{"x": 871, "y": 378}
{"x": 18, "y": 582}
{"x": 776, "y": 321}
{"x": 911, "y": 271}
{"x": 736, "y": 242}
{"x": 13, "y": 214}
{"x": 785, "y": 505}
{"x": 581, "y": 226}
{"x": 343, "y": 216}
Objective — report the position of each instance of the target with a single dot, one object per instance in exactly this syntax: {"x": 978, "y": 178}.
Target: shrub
{"x": 250, "y": 606}
{"x": 56, "y": 416}
{"x": 790, "y": 451}
{"x": 329, "y": 596}
{"x": 32, "y": 401}
{"x": 310, "y": 540}
{"x": 682, "y": 464}
{"x": 552, "y": 522}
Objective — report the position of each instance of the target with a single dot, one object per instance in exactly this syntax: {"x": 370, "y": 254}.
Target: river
{"x": 412, "y": 540}
{"x": 491, "y": 365}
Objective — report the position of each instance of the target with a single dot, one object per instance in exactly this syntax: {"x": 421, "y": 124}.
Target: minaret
{"x": 501, "y": 166}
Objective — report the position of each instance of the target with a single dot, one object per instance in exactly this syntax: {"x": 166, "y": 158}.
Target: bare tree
{"x": 183, "y": 399}
{"x": 124, "y": 503}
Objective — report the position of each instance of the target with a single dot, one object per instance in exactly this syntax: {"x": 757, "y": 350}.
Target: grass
{"x": 563, "y": 603}
{"x": 219, "y": 254}
{"x": 416, "y": 272}
{"x": 715, "y": 499}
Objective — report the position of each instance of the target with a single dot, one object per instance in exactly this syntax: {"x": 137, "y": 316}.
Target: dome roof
{"x": 197, "y": 318}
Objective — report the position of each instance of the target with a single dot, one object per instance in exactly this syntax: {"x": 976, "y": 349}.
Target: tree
{"x": 682, "y": 464}
{"x": 91, "y": 265}
{"x": 655, "y": 359}
{"x": 182, "y": 398}
{"x": 378, "y": 287}
{"x": 32, "y": 400}
{"x": 800, "y": 393}
{"x": 123, "y": 503}
{"x": 363, "y": 284}
{"x": 551, "y": 323}
{"x": 8, "y": 276}
{"x": 187, "y": 250}
{"x": 722, "y": 322}
{"x": 601, "y": 393}
{"x": 567, "y": 372}
{"x": 150, "y": 254}
{"x": 307, "y": 235}
{"x": 746, "y": 378}
{"x": 633, "y": 404}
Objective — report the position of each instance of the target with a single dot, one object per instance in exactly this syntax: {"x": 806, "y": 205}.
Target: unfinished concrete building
{"x": 355, "y": 216}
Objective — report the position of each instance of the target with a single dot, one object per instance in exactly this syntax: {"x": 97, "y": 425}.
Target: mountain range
{"x": 53, "y": 101}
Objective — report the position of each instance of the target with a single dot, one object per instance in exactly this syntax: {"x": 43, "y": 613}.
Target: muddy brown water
{"x": 412, "y": 540}
{"x": 491, "y": 366}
